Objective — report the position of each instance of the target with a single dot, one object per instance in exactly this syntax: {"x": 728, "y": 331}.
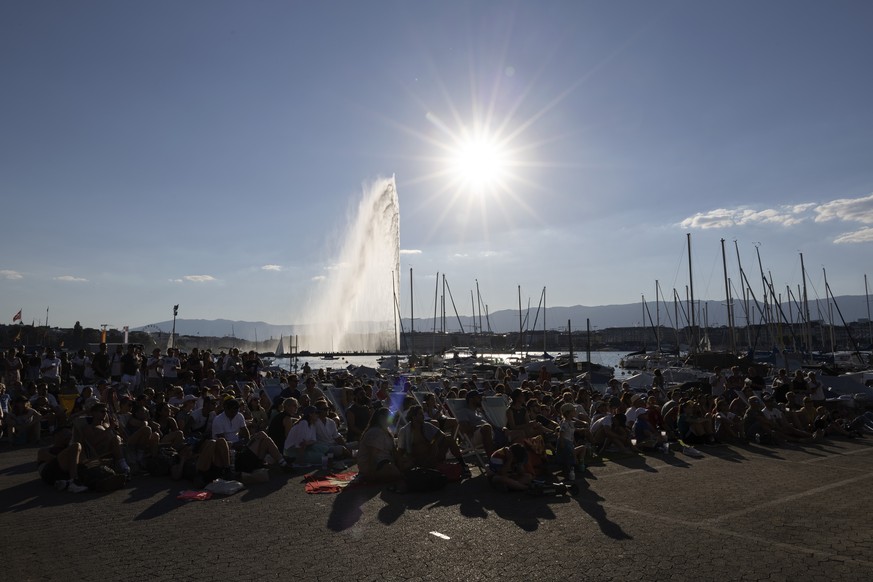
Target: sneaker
{"x": 62, "y": 485}
{"x": 73, "y": 487}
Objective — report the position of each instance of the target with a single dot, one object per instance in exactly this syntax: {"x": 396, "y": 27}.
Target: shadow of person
{"x": 346, "y": 509}
{"x": 589, "y": 501}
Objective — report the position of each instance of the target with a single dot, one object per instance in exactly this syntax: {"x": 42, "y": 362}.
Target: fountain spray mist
{"x": 354, "y": 306}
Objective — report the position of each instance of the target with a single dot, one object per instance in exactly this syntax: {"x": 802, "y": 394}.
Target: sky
{"x": 209, "y": 154}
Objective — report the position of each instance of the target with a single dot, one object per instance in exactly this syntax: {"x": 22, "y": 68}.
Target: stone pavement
{"x": 739, "y": 513}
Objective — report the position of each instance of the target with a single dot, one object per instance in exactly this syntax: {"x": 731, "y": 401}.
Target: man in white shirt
{"x": 155, "y": 370}
{"x": 327, "y": 433}
{"x": 171, "y": 365}
{"x": 252, "y": 453}
{"x": 50, "y": 368}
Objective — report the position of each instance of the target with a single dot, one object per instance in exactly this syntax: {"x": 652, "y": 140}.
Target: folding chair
{"x": 454, "y": 405}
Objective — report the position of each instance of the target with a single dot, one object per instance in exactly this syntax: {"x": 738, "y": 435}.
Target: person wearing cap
{"x": 472, "y": 423}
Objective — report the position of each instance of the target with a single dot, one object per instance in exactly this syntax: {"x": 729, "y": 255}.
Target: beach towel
{"x": 189, "y": 495}
{"x": 330, "y": 482}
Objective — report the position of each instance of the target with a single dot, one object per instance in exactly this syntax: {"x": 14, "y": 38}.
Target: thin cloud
{"x": 728, "y": 217}
{"x": 175, "y": 281}
{"x": 864, "y": 235}
{"x": 410, "y": 251}
{"x": 847, "y": 210}
{"x": 10, "y": 274}
{"x": 319, "y": 278}
{"x": 71, "y": 279}
{"x": 271, "y": 268}
{"x": 199, "y": 278}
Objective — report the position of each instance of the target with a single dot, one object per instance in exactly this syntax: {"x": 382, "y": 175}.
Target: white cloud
{"x": 10, "y": 274}
{"x": 71, "y": 279}
{"x": 859, "y": 236}
{"x": 743, "y": 216}
{"x": 336, "y": 267}
{"x": 410, "y": 252}
{"x": 271, "y": 268}
{"x": 319, "y": 278}
{"x": 847, "y": 209}
{"x": 175, "y": 280}
{"x": 199, "y": 278}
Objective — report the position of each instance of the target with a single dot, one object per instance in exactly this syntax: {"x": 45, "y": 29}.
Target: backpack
{"x": 100, "y": 477}
{"x": 419, "y": 479}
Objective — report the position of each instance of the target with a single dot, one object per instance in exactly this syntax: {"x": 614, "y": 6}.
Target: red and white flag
{"x": 16, "y": 317}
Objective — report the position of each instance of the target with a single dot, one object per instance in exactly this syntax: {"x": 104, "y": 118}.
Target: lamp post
{"x": 173, "y": 333}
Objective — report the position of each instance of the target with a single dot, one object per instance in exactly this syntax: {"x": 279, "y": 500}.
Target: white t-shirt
{"x": 228, "y": 428}
{"x": 300, "y": 432}
{"x": 633, "y": 413}
{"x": 53, "y": 366}
{"x": 605, "y": 420}
{"x": 326, "y": 431}
{"x": 170, "y": 364}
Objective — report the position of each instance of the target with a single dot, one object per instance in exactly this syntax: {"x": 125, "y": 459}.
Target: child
{"x": 569, "y": 454}
{"x": 507, "y": 468}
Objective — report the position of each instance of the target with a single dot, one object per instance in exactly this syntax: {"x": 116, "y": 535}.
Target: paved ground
{"x": 750, "y": 513}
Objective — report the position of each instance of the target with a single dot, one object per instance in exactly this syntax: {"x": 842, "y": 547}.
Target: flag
{"x": 16, "y": 317}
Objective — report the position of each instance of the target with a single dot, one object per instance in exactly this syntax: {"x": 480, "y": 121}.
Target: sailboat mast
{"x": 436, "y": 297}
{"x": 830, "y": 311}
{"x": 869, "y": 321}
{"x": 727, "y": 294}
{"x": 806, "y": 319}
{"x": 545, "y": 351}
{"x": 691, "y": 297}
{"x": 394, "y": 309}
{"x": 411, "y": 314}
{"x": 657, "y": 318}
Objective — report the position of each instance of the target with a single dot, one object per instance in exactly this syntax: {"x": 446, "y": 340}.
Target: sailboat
{"x": 280, "y": 349}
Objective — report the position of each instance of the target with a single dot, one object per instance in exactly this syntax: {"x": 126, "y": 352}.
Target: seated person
{"x": 59, "y": 463}
{"x": 471, "y": 423}
{"x": 783, "y": 427}
{"x": 756, "y": 426}
{"x": 433, "y": 413}
{"x": 200, "y": 422}
{"x": 693, "y": 425}
{"x": 728, "y": 425}
{"x": 100, "y": 434}
{"x": 507, "y": 468}
{"x": 519, "y": 421}
{"x": 648, "y": 437}
{"x": 282, "y": 422}
{"x": 358, "y": 414}
{"x": 23, "y": 424}
{"x": 253, "y": 450}
{"x": 377, "y": 455}
{"x": 608, "y": 429}
{"x": 326, "y": 432}
{"x": 301, "y": 443}
{"x": 421, "y": 444}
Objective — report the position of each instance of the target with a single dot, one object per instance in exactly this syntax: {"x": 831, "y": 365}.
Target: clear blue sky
{"x": 155, "y": 153}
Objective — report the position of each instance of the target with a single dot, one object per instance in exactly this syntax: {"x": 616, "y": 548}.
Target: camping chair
{"x": 67, "y": 402}
{"x": 468, "y": 446}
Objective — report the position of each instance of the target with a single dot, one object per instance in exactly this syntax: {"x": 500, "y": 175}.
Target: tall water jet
{"x": 354, "y": 306}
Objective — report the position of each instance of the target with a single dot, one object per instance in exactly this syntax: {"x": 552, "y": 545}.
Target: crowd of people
{"x": 202, "y": 417}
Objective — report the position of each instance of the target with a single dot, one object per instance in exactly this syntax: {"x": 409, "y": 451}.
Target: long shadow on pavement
{"x": 589, "y": 502}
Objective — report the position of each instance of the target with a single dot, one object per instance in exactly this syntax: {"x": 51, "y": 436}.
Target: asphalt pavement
{"x": 738, "y": 513}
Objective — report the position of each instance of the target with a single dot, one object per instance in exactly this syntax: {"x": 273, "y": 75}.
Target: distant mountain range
{"x": 852, "y": 308}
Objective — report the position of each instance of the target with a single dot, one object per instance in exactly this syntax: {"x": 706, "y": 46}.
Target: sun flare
{"x": 479, "y": 163}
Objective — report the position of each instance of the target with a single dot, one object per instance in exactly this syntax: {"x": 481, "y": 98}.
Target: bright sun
{"x": 479, "y": 163}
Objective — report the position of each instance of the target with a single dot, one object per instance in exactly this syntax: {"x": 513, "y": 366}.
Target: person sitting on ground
{"x": 23, "y": 424}
{"x": 377, "y": 455}
{"x": 519, "y": 423}
{"x": 782, "y": 426}
{"x": 816, "y": 389}
{"x": 358, "y": 415}
{"x": 508, "y": 470}
{"x": 421, "y": 444}
{"x": 253, "y": 451}
{"x": 605, "y": 431}
{"x": 756, "y": 426}
{"x": 100, "y": 433}
{"x": 202, "y": 418}
{"x": 258, "y": 414}
{"x": 326, "y": 432}
{"x": 693, "y": 425}
{"x": 471, "y": 423}
{"x": 59, "y": 463}
{"x": 728, "y": 425}
{"x": 282, "y": 422}
{"x": 301, "y": 443}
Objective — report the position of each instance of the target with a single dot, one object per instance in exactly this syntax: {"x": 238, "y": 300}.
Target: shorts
{"x": 51, "y": 472}
{"x": 247, "y": 461}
